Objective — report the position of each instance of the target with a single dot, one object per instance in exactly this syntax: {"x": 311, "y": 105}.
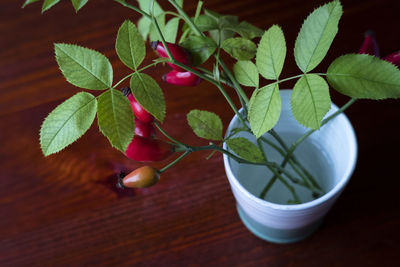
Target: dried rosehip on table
{"x": 179, "y": 53}
{"x": 142, "y": 177}
{"x": 185, "y": 78}
{"x": 139, "y": 112}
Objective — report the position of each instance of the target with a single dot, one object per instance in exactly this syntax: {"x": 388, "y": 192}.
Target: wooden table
{"x": 65, "y": 210}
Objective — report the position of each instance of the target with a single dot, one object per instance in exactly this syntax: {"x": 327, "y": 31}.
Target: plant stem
{"x": 141, "y": 69}
{"x": 303, "y": 137}
{"x": 186, "y": 17}
{"x": 308, "y": 178}
{"x": 233, "y": 80}
{"x": 187, "y": 152}
{"x": 134, "y": 8}
{"x": 291, "y": 189}
{"x": 168, "y": 136}
{"x": 242, "y": 96}
{"x": 217, "y": 84}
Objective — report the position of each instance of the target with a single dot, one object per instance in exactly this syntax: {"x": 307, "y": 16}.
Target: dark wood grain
{"x": 64, "y": 210}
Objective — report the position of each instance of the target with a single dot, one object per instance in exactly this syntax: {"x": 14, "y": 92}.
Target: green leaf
{"x": 248, "y": 31}
{"x": 116, "y": 119}
{"x": 364, "y": 76}
{"x": 240, "y": 48}
{"x": 67, "y": 122}
{"x": 271, "y": 53}
{"x": 316, "y": 35}
{"x": 145, "y": 6}
{"x": 310, "y": 100}
{"x": 171, "y": 30}
{"x": 144, "y": 27}
{"x": 153, "y": 33}
{"x": 245, "y": 149}
{"x": 201, "y": 48}
{"x": 27, "y": 2}
{"x": 212, "y": 14}
{"x": 130, "y": 46}
{"x": 225, "y": 25}
{"x": 149, "y": 95}
{"x": 205, "y": 124}
{"x": 78, "y": 4}
{"x": 206, "y": 23}
{"x": 264, "y": 109}
{"x": 47, "y": 4}
{"x": 246, "y": 73}
{"x": 84, "y": 67}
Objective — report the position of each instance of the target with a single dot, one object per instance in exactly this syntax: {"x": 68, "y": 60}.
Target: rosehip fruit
{"x": 145, "y": 149}
{"x": 138, "y": 110}
{"x": 393, "y": 58}
{"x": 142, "y": 177}
{"x": 369, "y": 46}
{"x": 144, "y": 129}
{"x": 179, "y": 53}
{"x": 185, "y": 78}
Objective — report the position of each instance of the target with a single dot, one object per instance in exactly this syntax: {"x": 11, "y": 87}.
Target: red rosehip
{"x": 393, "y": 58}
{"x": 138, "y": 110}
{"x": 145, "y": 149}
{"x": 179, "y": 53}
{"x": 144, "y": 129}
{"x": 142, "y": 177}
{"x": 185, "y": 78}
{"x": 369, "y": 46}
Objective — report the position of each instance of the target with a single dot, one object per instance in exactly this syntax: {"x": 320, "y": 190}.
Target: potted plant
{"x": 287, "y": 154}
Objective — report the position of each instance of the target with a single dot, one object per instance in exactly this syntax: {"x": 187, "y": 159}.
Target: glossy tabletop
{"x": 64, "y": 210}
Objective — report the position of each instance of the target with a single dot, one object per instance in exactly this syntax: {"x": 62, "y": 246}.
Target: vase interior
{"x": 329, "y": 154}
{"x": 310, "y": 154}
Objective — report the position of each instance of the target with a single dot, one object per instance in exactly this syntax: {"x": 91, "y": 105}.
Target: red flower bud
{"x": 179, "y": 53}
{"x": 182, "y": 78}
{"x": 369, "y": 46}
{"x": 142, "y": 177}
{"x": 138, "y": 110}
{"x": 393, "y": 58}
{"x": 145, "y": 149}
{"x": 144, "y": 129}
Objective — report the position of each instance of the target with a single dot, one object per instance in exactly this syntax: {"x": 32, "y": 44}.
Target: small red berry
{"x": 179, "y": 53}
{"x": 369, "y": 46}
{"x": 138, "y": 110}
{"x": 393, "y": 58}
{"x": 185, "y": 78}
{"x": 144, "y": 129}
{"x": 146, "y": 149}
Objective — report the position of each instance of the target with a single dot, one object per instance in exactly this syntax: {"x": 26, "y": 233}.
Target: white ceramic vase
{"x": 330, "y": 156}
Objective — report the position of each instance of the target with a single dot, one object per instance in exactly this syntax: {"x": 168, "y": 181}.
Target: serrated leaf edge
{"x": 40, "y": 133}
{"x": 66, "y": 44}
